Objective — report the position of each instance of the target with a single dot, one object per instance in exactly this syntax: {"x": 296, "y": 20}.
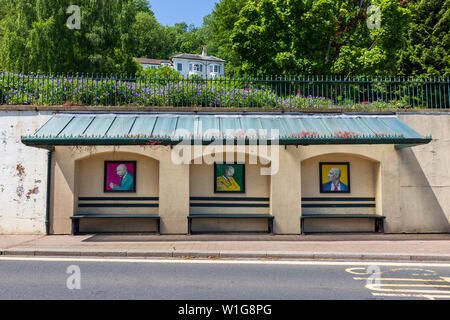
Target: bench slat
{"x": 250, "y": 216}
{"x": 313, "y": 216}
{"x": 109, "y": 216}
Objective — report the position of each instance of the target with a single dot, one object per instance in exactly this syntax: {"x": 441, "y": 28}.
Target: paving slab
{"x": 7, "y": 241}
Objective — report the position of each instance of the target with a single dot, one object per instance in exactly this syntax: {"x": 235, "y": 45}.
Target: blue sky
{"x": 169, "y": 12}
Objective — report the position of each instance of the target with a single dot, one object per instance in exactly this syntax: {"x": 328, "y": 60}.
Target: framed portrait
{"x": 120, "y": 176}
{"x": 334, "y": 177}
{"x": 229, "y": 178}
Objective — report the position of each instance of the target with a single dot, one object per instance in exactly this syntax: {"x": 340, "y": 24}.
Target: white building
{"x": 201, "y": 65}
{"x": 153, "y": 63}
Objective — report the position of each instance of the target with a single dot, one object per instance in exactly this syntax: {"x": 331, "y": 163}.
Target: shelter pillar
{"x": 63, "y": 192}
{"x": 285, "y": 192}
{"x": 173, "y": 194}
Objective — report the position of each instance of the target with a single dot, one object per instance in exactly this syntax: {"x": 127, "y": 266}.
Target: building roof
{"x": 198, "y": 57}
{"x": 170, "y": 129}
{"x": 152, "y": 61}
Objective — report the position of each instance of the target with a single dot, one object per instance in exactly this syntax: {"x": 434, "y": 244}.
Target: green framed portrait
{"x": 229, "y": 178}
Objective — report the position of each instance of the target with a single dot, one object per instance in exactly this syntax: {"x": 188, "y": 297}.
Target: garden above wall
{"x": 304, "y": 94}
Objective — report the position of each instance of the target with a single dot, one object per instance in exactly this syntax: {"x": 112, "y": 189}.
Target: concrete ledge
{"x": 196, "y": 254}
{"x": 104, "y": 253}
{"x": 63, "y": 108}
{"x": 229, "y": 254}
{"x": 18, "y": 252}
{"x": 430, "y": 257}
{"x": 63, "y": 253}
{"x": 290, "y": 255}
{"x": 383, "y": 257}
{"x": 337, "y": 256}
{"x": 243, "y": 254}
{"x": 149, "y": 254}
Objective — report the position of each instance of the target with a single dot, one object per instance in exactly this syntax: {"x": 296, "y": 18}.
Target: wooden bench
{"x": 230, "y": 216}
{"x": 379, "y": 220}
{"x": 76, "y": 219}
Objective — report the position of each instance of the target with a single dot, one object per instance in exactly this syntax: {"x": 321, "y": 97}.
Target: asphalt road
{"x": 65, "y": 278}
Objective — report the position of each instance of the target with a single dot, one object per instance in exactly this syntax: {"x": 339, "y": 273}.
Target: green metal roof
{"x": 170, "y": 129}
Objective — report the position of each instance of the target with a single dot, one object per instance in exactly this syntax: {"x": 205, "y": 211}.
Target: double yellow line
{"x": 412, "y": 290}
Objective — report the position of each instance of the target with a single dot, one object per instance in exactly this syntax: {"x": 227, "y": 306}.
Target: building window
{"x": 196, "y": 67}
{"x": 180, "y": 67}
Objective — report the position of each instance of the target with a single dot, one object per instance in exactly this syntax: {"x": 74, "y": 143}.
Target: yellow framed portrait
{"x": 334, "y": 177}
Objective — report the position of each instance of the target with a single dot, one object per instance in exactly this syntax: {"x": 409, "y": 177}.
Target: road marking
{"x": 412, "y": 285}
{"x": 249, "y": 262}
{"x": 402, "y": 279}
{"x": 426, "y": 296}
{"x": 374, "y": 288}
{"x": 364, "y": 271}
{"x": 380, "y": 286}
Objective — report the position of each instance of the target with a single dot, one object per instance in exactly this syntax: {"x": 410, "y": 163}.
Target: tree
{"x": 151, "y": 40}
{"x": 318, "y": 37}
{"x": 428, "y": 44}
{"x": 218, "y": 28}
{"x": 371, "y": 51}
{"x": 14, "y": 32}
{"x": 35, "y": 36}
{"x": 187, "y": 38}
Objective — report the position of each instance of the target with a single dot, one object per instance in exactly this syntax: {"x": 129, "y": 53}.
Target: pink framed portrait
{"x": 120, "y": 176}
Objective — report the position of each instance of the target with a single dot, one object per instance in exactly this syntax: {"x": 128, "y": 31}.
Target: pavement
{"x": 404, "y": 247}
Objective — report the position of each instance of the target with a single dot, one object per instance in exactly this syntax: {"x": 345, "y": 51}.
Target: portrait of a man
{"x": 120, "y": 176}
{"x": 229, "y": 178}
{"x": 335, "y": 177}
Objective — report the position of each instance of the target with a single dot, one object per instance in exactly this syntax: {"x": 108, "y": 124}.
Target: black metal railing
{"x": 289, "y": 92}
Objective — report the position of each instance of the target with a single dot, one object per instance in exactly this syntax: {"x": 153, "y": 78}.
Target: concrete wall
{"x": 23, "y": 186}
{"x": 424, "y": 177}
{"x": 411, "y": 186}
